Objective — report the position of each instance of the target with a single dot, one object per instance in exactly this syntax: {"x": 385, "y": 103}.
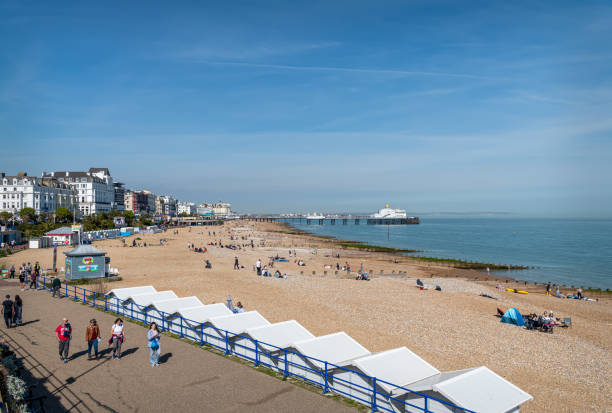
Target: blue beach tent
{"x": 512, "y": 316}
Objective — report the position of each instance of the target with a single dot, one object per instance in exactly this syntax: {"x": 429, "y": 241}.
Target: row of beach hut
{"x": 336, "y": 362}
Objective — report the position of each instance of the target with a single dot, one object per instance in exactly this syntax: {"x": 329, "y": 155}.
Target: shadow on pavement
{"x": 29, "y": 322}
{"x": 164, "y": 358}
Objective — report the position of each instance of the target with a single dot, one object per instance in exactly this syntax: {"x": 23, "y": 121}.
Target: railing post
{"x": 286, "y": 372}
{"x": 256, "y": 353}
{"x": 144, "y": 312}
{"x": 105, "y": 302}
{"x": 326, "y": 386}
{"x": 94, "y": 299}
{"x": 75, "y": 293}
{"x": 426, "y": 404}
{"x": 202, "y": 334}
{"x": 163, "y": 319}
{"x": 181, "y": 321}
{"x": 66, "y": 287}
{"x": 227, "y": 349}
{"x": 132, "y": 310}
{"x": 374, "y": 407}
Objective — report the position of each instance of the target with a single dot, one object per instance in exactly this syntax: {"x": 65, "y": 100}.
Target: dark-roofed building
{"x": 95, "y": 189}
{"x": 44, "y": 194}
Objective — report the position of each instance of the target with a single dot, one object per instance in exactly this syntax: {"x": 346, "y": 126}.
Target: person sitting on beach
{"x": 239, "y": 308}
{"x": 266, "y": 273}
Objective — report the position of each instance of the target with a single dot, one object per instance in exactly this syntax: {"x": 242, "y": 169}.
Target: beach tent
{"x": 271, "y": 340}
{"x": 235, "y": 324}
{"x": 513, "y": 316}
{"x": 309, "y": 356}
{"x": 478, "y": 389}
{"x": 392, "y": 368}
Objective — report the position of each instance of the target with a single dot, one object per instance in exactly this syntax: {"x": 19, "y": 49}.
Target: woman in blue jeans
{"x": 153, "y": 337}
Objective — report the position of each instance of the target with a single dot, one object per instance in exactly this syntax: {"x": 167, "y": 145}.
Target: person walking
{"x": 56, "y": 284}
{"x": 7, "y": 309}
{"x": 22, "y": 279}
{"x": 92, "y": 336}
{"x": 236, "y": 264}
{"x": 33, "y": 280}
{"x": 117, "y": 338}
{"x": 64, "y": 333}
{"x": 13, "y": 271}
{"x": 258, "y": 266}
{"x": 17, "y": 311}
{"x": 153, "y": 337}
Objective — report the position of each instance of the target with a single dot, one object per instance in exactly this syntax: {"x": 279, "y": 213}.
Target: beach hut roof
{"x": 239, "y": 323}
{"x": 83, "y": 250}
{"x": 60, "y": 231}
{"x": 281, "y": 335}
{"x": 334, "y": 348}
{"x": 399, "y": 366}
{"x": 124, "y": 293}
{"x": 172, "y": 306}
{"x": 147, "y": 299}
{"x": 428, "y": 383}
{"x": 203, "y": 314}
{"x": 482, "y": 390}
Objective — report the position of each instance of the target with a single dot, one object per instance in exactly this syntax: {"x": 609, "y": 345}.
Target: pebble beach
{"x": 456, "y": 328}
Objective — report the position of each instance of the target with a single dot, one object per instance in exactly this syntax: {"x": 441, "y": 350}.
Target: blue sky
{"x": 327, "y": 106}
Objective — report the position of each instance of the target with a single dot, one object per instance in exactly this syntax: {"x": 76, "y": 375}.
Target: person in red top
{"x": 64, "y": 332}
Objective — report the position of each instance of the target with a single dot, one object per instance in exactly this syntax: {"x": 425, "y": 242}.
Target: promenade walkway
{"x": 188, "y": 378}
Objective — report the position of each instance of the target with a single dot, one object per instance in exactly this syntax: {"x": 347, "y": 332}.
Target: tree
{"x": 129, "y": 217}
{"x": 5, "y": 217}
{"x": 63, "y": 215}
{"x": 27, "y": 214}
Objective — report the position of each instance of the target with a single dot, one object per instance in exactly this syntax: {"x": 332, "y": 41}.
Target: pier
{"x": 333, "y": 220}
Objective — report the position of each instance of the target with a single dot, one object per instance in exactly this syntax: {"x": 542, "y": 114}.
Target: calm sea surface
{"x": 570, "y": 251}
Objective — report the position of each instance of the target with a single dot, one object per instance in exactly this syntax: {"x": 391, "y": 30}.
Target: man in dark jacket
{"x": 55, "y": 286}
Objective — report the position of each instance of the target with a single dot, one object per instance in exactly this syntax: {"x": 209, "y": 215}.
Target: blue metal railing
{"x": 330, "y": 377}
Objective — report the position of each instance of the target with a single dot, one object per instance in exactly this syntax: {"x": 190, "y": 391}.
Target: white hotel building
{"x": 44, "y": 194}
{"x": 95, "y": 189}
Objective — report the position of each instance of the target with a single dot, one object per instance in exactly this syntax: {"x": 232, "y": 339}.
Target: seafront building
{"x": 140, "y": 202}
{"x": 95, "y": 189}
{"x": 188, "y": 208}
{"x": 44, "y": 194}
{"x": 119, "y": 196}
{"x": 219, "y": 209}
{"x": 165, "y": 205}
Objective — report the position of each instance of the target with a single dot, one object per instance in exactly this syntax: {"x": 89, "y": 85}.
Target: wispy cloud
{"x": 248, "y": 52}
{"x": 393, "y": 72}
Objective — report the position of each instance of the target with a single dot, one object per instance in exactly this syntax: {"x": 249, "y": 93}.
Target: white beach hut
{"x": 391, "y": 368}
{"x": 235, "y": 324}
{"x": 145, "y": 300}
{"x": 272, "y": 339}
{"x": 337, "y": 349}
{"x": 140, "y": 302}
{"x": 198, "y": 319}
{"x": 118, "y": 295}
{"x": 170, "y": 308}
{"x": 480, "y": 390}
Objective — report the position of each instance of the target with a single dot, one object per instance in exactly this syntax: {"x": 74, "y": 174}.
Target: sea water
{"x": 568, "y": 251}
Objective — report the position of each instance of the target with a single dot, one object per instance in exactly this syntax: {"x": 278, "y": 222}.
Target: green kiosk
{"x": 86, "y": 261}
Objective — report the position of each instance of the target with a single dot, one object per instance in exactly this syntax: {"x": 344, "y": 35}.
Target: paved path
{"x": 189, "y": 379}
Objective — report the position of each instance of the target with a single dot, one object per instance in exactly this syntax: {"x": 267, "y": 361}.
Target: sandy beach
{"x": 569, "y": 370}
